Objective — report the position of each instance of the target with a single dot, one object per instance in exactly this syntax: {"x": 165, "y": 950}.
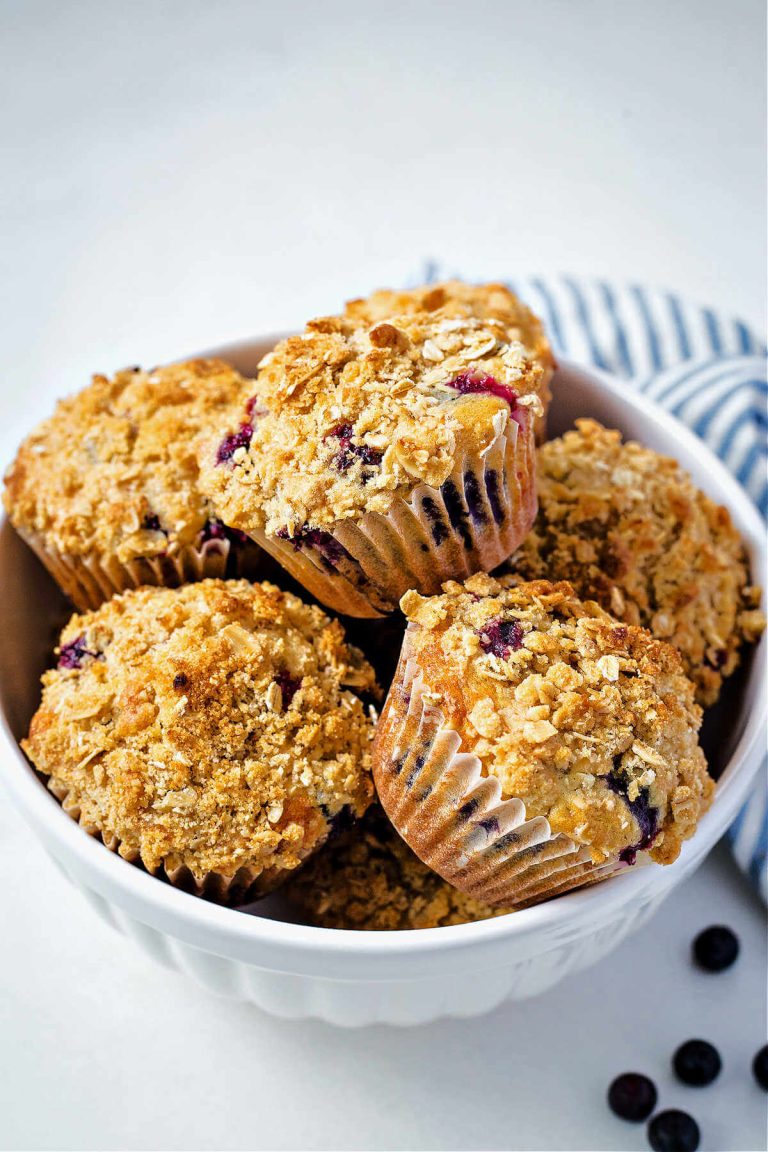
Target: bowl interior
{"x": 33, "y": 610}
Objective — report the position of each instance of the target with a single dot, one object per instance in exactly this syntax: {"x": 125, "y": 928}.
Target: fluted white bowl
{"x": 356, "y": 978}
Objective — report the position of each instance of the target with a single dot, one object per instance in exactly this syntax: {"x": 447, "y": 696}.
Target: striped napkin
{"x": 707, "y": 368}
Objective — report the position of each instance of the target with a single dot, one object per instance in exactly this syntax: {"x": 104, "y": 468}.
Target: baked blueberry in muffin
{"x": 396, "y": 448}
{"x": 530, "y": 695}
{"x": 106, "y": 490}
{"x": 628, "y": 528}
{"x": 216, "y": 733}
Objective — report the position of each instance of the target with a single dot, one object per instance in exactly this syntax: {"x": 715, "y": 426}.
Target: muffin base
{"x": 244, "y": 885}
{"x": 455, "y": 819}
{"x": 473, "y": 522}
{"x": 89, "y": 582}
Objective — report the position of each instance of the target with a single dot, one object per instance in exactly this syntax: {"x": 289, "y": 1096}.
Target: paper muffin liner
{"x": 472, "y": 523}
{"x": 455, "y": 819}
{"x": 242, "y": 886}
{"x": 89, "y": 582}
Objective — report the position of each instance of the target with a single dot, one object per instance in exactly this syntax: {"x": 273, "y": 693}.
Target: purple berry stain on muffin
{"x": 215, "y": 529}
{"x": 230, "y": 444}
{"x": 476, "y": 382}
{"x": 288, "y": 686}
{"x": 500, "y": 637}
{"x": 254, "y": 410}
{"x": 646, "y": 816}
{"x": 329, "y": 548}
{"x": 72, "y": 655}
{"x": 349, "y": 452}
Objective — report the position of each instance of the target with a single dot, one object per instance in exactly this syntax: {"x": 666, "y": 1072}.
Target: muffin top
{"x": 366, "y": 405}
{"x": 589, "y": 721}
{"x": 113, "y": 473}
{"x": 629, "y": 529}
{"x": 368, "y": 879}
{"x": 217, "y": 726}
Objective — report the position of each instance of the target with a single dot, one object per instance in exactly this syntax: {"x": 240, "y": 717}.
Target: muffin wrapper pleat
{"x": 471, "y": 523}
{"x": 242, "y": 886}
{"x": 455, "y": 819}
{"x": 89, "y": 582}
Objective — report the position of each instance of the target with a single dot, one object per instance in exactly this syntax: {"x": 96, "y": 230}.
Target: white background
{"x": 177, "y": 175}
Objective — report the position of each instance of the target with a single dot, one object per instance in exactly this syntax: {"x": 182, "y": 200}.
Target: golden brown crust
{"x": 358, "y": 409}
{"x": 113, "y": 473}
{"x": 214, "y": 727}
{"x": 628, "y": 528}
{"x": 589, "y": 721}
{"x": 369, "y": 880}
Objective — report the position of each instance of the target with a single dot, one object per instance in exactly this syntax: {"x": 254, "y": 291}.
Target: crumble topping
{"x": 366, "y": 405}
{"x": 114, "y": 471}
{"x": 216, "y": 726}
{"x": 629, "y": 529}
{"x": 590, "y": 721}
{"x": 369, "y": 880}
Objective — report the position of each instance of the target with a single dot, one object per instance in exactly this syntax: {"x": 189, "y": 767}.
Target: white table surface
{"x": 180, "y": 174}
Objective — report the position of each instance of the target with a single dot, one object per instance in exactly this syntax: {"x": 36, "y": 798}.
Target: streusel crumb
{"x": 365, "y": 406}
{"x": 113, "y": 473}
{"x": 369, "y": 880}
{"x": 214, "y": 727}
{"x": 589, "y": 721}
{"x": 629, "y": 529}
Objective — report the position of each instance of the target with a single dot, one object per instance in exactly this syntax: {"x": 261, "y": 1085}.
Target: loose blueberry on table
{"x": 673, "y": 1131}
{"x": 632, "y": 1096}
{"x": 716, "y": 948}
{"x": 697, "y": 1062}
{"x": 760, "y": 1067}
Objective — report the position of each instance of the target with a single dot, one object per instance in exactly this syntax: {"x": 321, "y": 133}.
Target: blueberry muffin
{"x": 368, "y": 879}
{"x": 531, "y": 742}
{"x": 106, "y": 490}
{"x": 216, "y": 733}
{"x": 394, "y": 445}
{"x": 629, "y": 529}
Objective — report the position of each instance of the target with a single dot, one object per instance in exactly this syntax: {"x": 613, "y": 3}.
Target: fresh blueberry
{"x": 673, "y": 1131}
{"x": 632, "y": 1096}
{"x": 760, "y": 1067}
{"x": 697, "y": 1062}
{"x": 716, "y": 948}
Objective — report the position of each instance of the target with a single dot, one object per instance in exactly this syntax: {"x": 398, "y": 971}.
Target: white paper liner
{"x": 472, "y": 523}
{"x": 89, "y": 582}
{"x": 455, "y": 819}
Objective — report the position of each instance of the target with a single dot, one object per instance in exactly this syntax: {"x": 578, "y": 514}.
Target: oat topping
{"x": 589, "y": 721}
{"x": 218, "y": 726}
{"x": 369, "y": 880}
{"x": 629, "y": 529}
{"x": 114, "y": 471}
{"x": 366, "y": 405}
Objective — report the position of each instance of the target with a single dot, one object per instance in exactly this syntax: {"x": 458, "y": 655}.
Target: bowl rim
{"x": 268, "y": 943}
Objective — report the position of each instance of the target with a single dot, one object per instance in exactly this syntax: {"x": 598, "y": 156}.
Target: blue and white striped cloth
{"x": 710, "y": 371}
